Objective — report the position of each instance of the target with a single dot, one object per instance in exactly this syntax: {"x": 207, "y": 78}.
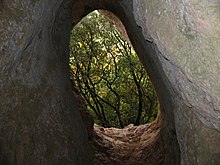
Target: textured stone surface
{"x": 188, "y": 36}
{"x": 39, "y": 123}
{"x": 178, "y": 43}
{"x": 131, "y": 145}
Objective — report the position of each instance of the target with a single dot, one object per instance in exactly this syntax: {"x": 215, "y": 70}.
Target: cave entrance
{"x": 113, "y": 86}
{"x": 107, "y": 73}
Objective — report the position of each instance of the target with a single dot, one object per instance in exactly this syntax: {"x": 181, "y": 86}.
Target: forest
{"x": 107, "y": 73}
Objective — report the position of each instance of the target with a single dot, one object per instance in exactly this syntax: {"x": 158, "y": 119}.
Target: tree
{"x": 109, "y": 76}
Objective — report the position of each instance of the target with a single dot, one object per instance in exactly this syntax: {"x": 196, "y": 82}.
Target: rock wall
{"x": 187, "y": 35}
{"x": 176, "y": 41}
{"x": 39, "y": 122}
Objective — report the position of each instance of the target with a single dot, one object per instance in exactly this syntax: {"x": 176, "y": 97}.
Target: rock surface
{"x": 188, "y": 38}
{"x": 39, "y": 122}
{"x": 178, "y": 43}
{"x": 131, "y": 145}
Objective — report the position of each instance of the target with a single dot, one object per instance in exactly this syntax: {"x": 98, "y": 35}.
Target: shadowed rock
{"x": 177, "y": 42}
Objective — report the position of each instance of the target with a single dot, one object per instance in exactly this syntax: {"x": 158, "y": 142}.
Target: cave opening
{"x": 108, "y": 75}
{"x": 113, "y": 89}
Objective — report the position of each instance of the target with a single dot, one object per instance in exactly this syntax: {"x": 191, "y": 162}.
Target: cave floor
{"x": 132, "y": 145}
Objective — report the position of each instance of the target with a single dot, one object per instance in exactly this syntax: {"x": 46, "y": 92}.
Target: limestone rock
{"x": 177, "y": 42}
{"x": 188, "y": 38}
{"x": 39, "y": 123}
{"x": 131, "y": 145}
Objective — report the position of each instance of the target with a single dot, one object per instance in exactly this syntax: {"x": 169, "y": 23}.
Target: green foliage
{"x": 109, "y": 76}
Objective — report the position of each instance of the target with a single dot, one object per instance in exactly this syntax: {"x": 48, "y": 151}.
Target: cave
{"x": 137, "y": 140}
{"x": 39, "y": 118}
{"x": 143, "y": 144}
